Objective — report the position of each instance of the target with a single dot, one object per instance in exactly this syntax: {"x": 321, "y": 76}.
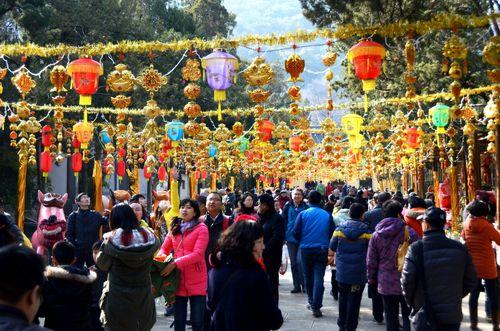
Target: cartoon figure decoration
{"x": 51, "y": 222}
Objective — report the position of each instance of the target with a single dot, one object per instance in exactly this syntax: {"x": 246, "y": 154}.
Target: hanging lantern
{"x": 46, "y": 136}
{"x": 146, "y": 173}
{"x": 352, "y": 124}
{"x": 162, "y": 174}
{"x": 295, "y": 143}
{"x": 83, "y": 131}
{"x": 440, "y": 115}
{"x": 85, "y": 74}
{"x": 356, "y": 141}
{"x": 175, "y": 131}
{"x": 220, "y": 70}
{"x": 76, "y": 163}
{"x": 413, "y": 138}
{"x": 121, "y": 169}
{"x": 266, "y": 129}
{"x": 366, "y": 57}
{"x": 212, "y": 150}
{"x": 204, "y": 174}
{"x": 45, "y": 163}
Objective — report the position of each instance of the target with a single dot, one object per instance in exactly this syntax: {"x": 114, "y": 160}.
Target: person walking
{"x": 239, "y": 292}
{"x": 188, "y": 238}
{"x": 382, "y": 271}
{"x": 479, "y": 234}
{"x": 127, "y": 252}
{"x": 372, "y": 218}
{"x": 438, "y": 272}
{"x": 313, "y": 229}
{"x": 84, "y": 228}
{"x": 274, "y": 233}
{"x": 347, "y": 251}
{"x": 289, "y": 214}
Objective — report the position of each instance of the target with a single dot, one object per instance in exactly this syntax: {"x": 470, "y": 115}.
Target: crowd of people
{"x": 226, "y": 249}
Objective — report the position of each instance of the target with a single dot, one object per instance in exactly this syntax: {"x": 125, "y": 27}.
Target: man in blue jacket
{"x": 313, "y": 229}
{"x": 289, "y": 214}
{"x": 348, "y": 249}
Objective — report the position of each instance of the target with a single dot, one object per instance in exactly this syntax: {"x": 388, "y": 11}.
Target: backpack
{"x": 403, "y": 249}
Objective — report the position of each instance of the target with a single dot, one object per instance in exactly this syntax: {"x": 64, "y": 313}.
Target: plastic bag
{"x": 284, "y": 260}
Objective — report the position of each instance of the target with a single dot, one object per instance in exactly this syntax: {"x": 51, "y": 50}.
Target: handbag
{"x": 402, "y": 250}
{"x": 423, "y": 319}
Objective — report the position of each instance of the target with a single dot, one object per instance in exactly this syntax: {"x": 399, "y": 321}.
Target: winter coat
{"x": 274, "y": 234}
{"x": 381, "y": 258}
{"x": 411, "y": 219}
{"x": 478, "y": 234}
{"x": 127, "y": 302}
{"x": 449, "y": 274}
{"x": 98, "y": 285}
{"x": 340, "y": 216}
{"x": 67, "y": 297}
{"x": 350, "y": 244}
{"x": 13, "y": 319}
{"x": 245, "y": 303}
{"x": 313, "y": 229}
{"x": 215, "y": 228}
{"x": 189, "y": 256}
{"x": 83, "y": 228}
{"x": 283, "y": 200}
{"x": 373, "y": 217}
{"x": 289, "y": 214}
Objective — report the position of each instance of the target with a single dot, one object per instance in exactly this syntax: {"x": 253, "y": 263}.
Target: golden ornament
{"x": 294, "y": 109}
{"x": 192, "y": 109}
{"x": 191, "y": 70}
{"x": 258, "y": 73}
{"x": 455, "y": 48}
{"x": 410, "y": 54}
{"x": 294, "y": 65}
{"x": 151, "y": 110}
{"x": 22, "y": 109}
{"x": 23, "y": 82}
{"x": 121, "y": 101}
{"x": 455, "y": 71}
{"x": 192, "y": 91}
{"x": 58, "y": 78}
{"x": 121, "y": 79}
{"x": 491, "y": 52}
{"x": 237, "y": 129}
{"x": 259, "y": 95}
{"x": 282, "y": 131}
{"x": 493, "y": 75}
{"x": 329, "y": 58}
{"x": 328, "y": 125}
{"x": 294, "y": 93}
{"x": 222, "y": 133}
{"x": 151, "y": 79}
{"x": 329, "y": 75}
{"x": 3, "y": 73}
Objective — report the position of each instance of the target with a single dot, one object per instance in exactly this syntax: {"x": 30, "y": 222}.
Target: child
{"x": 67, "y": 291}
{"x": 97, "y": 286}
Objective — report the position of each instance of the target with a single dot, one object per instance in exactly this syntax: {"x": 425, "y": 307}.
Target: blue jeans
{"x": 349, "y": 303}
{"x": 197, "y": 303}
{"x": 295, "y": 263}
{"x": 313, "y": 266}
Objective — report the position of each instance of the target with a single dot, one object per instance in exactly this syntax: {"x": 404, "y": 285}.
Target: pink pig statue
{"x": 51, "y": 226}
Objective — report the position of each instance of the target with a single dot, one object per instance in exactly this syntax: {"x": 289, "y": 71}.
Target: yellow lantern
{"x": 352, "y": 124}
{"x": 83, "y": 131}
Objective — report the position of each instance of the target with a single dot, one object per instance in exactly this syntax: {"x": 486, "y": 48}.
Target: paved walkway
{"x": 297, "y": 317}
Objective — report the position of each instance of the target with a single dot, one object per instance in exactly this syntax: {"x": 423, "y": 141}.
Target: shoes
{"x": 309, "y": 307}
{"x": 317, "y": 313}
{"x": 378, "y": 322}
{"x": 169, "y": 311}
{"x": 296, "y": 290}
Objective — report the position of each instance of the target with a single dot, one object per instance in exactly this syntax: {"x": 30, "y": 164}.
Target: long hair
{"x": 122, "y": 216}
{"x": 269, "y": 201}
{"x": 237, "y": 242}
{"x": 175, "y": 226}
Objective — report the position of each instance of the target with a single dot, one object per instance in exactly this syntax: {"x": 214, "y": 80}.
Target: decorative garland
{"x": 443, "y": 21}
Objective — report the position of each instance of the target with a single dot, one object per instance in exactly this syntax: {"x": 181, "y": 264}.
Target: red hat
{"x": 245, "y": 217}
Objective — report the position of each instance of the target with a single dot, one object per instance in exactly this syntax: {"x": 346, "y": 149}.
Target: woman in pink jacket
{"x": 188, "y": 239}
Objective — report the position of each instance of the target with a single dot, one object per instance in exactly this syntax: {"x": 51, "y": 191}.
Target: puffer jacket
{"x": 381, "y": 258}
{"x": 127, "y": 302}
{"x": 350, "y": 244}
{"x": 189, "y": 254}
{"x": 373, "y": 217}
{"x": 449, "y": 274}
{"x": 478, "y": 234}
{"x": 289, "y": 214}
{"x": 411, "y": 219}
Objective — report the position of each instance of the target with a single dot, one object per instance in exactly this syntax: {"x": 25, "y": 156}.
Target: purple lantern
{"x": 220, "y": 74}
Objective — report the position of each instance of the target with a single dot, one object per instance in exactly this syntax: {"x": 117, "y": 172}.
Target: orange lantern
{"x": 85, "y": 74}
{"x": 295, "y": 143}
{"x": 266, "y": 129}
{"x": 366, "y": 57}
{"x": 83, "y": 131}
{"x": 413, "y": 138}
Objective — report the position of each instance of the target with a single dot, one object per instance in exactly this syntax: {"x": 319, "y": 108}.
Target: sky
{"x": 280, "y": 16}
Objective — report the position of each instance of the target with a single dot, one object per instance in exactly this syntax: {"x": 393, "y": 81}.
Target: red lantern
{"x": 106, "y": 167}
{"x": 295, "y": 143}
{"x": 162, "y": 174}
{"x": 85, "y": 74}
{"x": 147, "y": 174}
{"x": 120, "y": 169}
{"x": 204, "y": 174}
{"x": 76, "y": 163}
{"x": 46, "y": 136}
{"x": 197, "y": 175}
{"x": 45, "y": 163}
{"x": 76, "y": 143}
{"x": 413, "y": 138}
{"x": 266, "y": 129}
{"x": 122, "y": 152}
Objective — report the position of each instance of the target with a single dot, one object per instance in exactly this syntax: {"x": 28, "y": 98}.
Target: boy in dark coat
{"x": 67, "y": 292}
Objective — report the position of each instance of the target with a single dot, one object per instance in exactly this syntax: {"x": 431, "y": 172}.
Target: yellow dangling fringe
{"x": 219, "y": 112}
{"x": 366, "y": 103}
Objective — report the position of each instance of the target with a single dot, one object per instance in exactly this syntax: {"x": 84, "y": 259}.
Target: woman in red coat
{"x": 479, "y": 234}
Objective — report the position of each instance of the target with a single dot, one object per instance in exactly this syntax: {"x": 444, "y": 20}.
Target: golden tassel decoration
{"x": 134, "y": 179}
{"x": 455, "y": 199}
{"x": 404, "y": 182}
{"x": 231, "y": 183}
{"x": 174, "y": 210}
{"x": 193, "y": 183}
{"x": 213, "y": 182}
{"x": 258, "y": 186}
{"x": 97, "y": 175}
{"x": 21, "y": 192}
{"x": 435, "y": 186}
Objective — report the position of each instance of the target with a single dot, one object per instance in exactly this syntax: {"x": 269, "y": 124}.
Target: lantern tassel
{"x": 437, "y": 138}
{"x": 219, "y": 112}
{"x": 366, "y": 102}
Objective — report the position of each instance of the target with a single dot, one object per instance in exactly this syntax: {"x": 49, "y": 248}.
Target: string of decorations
{"x": 442, "y": 21}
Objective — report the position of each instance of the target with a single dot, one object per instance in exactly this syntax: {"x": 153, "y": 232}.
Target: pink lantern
{"x": 219, "y": 72}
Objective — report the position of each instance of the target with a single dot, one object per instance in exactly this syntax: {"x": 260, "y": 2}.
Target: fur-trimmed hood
{"x": 139, "y": 238}
{"x": 82, "y": 275}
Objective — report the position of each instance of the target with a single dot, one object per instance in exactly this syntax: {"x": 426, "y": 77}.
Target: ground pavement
{"x": 297, "y": 317}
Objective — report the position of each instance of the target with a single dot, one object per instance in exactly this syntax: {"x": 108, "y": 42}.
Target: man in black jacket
{"x": 216, "y": 222}
{"x": 21, "y": 283}
{"x": 371, "y": 218}
{"x": 83, "y": 229}
{"x": 448, "y": 271}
